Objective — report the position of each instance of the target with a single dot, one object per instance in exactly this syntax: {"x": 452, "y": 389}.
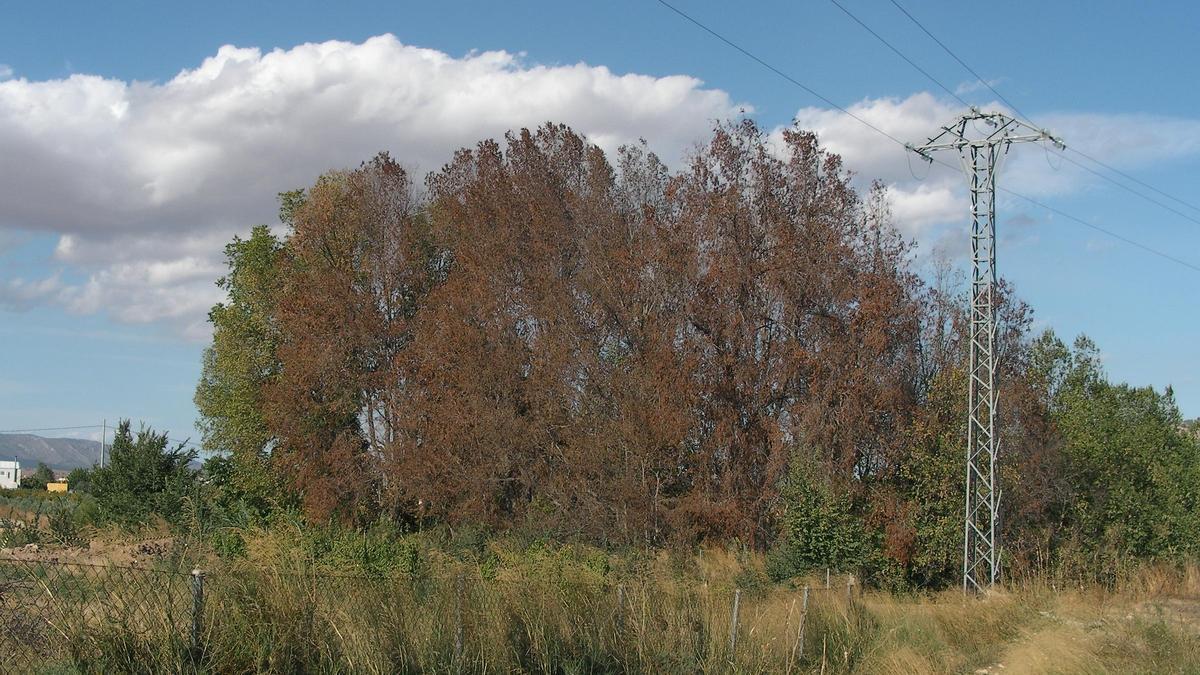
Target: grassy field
{"x": 299, "y": 602}
{"x": 285, "y": 623}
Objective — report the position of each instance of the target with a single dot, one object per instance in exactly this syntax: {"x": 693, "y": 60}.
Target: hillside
{"x": 61, "y": 454}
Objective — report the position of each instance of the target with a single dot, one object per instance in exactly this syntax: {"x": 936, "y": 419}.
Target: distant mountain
{"x": 60, "y": 454}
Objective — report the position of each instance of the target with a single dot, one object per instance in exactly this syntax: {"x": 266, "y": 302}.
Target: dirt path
{"x": 1117, "y": 639}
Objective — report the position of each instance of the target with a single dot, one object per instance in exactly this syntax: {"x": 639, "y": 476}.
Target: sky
{"x": 137, "y": 138}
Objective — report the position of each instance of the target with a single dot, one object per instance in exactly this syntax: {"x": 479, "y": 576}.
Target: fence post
{"x": 620, "y": 606}
{"x": 733, "y": 624}
{"x": 849, "y": 589}
{"x": 826, "y": 577}
{"x": 197, "y": 608}
{"x": 803, "y": 617}
{"x": 458, "y": 623}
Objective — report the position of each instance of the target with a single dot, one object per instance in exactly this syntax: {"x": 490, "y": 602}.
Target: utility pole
{"x": 982, "y": 140}
{"x": 103, "y": 438}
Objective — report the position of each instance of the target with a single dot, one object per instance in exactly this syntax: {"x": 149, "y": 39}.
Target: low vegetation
{"x": 293, "y": 598}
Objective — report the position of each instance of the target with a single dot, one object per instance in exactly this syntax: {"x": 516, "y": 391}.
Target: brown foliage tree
{"x": 358, "y": 262}
{"x": 621, "y": 353}
{"x": 629, "y": 354}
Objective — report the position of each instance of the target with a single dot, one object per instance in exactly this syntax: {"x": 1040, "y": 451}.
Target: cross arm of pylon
{"x": 1005, "y": 129}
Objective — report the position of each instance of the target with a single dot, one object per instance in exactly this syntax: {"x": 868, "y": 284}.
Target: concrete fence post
{"x": 197, "y": 608}
{"x": 803, "y": 619}
{"x": 733, "y": 623}
{"x": 620, "y": 606}
{"x": 458, "y": 622}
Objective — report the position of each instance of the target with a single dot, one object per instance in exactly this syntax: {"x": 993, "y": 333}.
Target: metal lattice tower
{"x": 982, "y": 140}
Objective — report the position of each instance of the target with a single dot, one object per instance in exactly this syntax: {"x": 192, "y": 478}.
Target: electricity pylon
{"x": 981, "y": 151}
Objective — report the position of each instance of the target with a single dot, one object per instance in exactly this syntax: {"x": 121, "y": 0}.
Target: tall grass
{"x": 297, "y": 621}
{"x": 436, "y": 603}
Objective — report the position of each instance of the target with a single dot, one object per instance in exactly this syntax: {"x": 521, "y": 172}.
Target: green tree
{"x": 931, "y": 477}
{"x": 80, "y": 480}
{"x": 241, "y": 359}
{"x": 38, "y": 479}
{"x": 1133, "y": 472}
{"x": 143, "y": 477}
{"x": 819, "y": 526}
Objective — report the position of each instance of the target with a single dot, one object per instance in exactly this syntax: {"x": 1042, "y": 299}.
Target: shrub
{"x": 144, "y": 477}
{"x": 819, "y": 528}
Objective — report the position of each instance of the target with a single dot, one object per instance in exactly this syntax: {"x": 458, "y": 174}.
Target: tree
{"x": 358, "y": 262}
{"x": 143, "y": 477}
{"x": 240, "y": 362}
{"x": 622, "y": 352}
{"x": 1132, "y": 471}
{"x": 819, "y": 526}
{"x": 80, "y": 480}
{"x": 802, "y": 320}
{"x": 38, "y": 479}
{"x": 736, "y": 349}
{"x": 638, "y": 353}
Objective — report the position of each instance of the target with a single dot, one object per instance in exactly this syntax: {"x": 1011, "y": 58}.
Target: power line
{"x": 892, "y": 138}
{"x": 962, "y": 63}
{"x": 899, "y": 53}
{"x": 1021, "y": 114}
{"x": 1148, "y": 198}
{"x": 1129, "y": 177}
{"x": 25, "y": 431}
{"x": 1025, "y": 117}
{"x": 1097, "y": 228}
{"x": 777, "y": 71}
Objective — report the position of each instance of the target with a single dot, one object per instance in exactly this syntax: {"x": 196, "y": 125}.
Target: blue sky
{"x": 121, "y": 175}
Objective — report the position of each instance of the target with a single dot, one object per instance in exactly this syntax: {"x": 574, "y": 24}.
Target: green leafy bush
{"x": 819, "y": 528}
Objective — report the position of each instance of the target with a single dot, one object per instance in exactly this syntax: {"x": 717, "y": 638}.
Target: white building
{"x": 10, "y": 474}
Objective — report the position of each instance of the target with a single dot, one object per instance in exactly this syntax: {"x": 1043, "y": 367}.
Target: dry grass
{"x": 559, "y": 610}
{"x": 281, "y": 623}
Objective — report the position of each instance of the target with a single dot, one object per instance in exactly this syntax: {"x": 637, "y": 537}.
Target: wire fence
{"x": 54, "y": 615}
{"x": 66, "y": 617}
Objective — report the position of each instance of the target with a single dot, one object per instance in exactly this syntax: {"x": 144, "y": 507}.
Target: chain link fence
{"x": 65, "y": 618}
{"x": 58, "y": 617}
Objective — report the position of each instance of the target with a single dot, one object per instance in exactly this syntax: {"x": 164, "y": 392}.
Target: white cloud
{"x": 19, "y": 294}
{"x": 918, "y": 207}
{"x": 972, "y": 86}
{"x": 6, "y": 71}
{"x": 143, "y": 182}
{"x": 929, "y": 202}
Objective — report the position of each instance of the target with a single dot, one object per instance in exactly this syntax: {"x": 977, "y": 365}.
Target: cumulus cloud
{"x": 142, "y": 182}
{"x": 930, "y": 203}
